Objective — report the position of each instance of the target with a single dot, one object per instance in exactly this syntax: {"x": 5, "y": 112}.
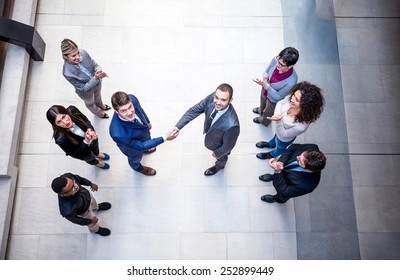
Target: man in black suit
{"x": 297, "y": 172}
{"x": 221, "y": 124}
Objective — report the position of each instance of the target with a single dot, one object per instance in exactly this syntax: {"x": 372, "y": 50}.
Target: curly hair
{"x": 311, "y": 102}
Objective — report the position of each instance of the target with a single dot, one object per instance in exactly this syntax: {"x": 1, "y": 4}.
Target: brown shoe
{"x": 148, "y": 171}
{"x": 149, "y": 151}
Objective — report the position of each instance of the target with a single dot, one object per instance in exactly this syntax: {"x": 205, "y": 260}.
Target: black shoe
{"x": 256, "y": 120}
{"x": 263, "y": 144}
{"x": 211, "y": 171}
{"x": 105, "y": 116}
{"x": 266, "y": 177}
{"x": 264, "y": 155}
{"x": 103, "y": 231}
{"x": 255, "y": 111}
{"x": 268, "y": 198}
{"x": 104, "y": 206}
{"x": 107, "y": 107}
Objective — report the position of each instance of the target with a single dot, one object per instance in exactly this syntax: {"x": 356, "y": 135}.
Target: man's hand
{"x": 277, "y": 166}
{"x": 94, "y": 220}
{"x": 172, "y": 134}
{"x": 94, "y": 187}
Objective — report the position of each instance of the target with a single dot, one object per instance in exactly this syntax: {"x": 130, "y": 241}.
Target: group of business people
{"x": 292, "y": 106}
{"x": 130, "y": 129}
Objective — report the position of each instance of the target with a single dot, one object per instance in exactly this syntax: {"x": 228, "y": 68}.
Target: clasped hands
{"x": 277, "y": 166}
{"x": 172, "y": 134}
{"x": 90, "y": 135}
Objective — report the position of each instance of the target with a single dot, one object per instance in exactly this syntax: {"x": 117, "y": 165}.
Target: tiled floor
{"x": 171, "y": 54}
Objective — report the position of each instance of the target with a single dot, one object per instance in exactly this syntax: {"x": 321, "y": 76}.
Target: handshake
{"x": 172, "y": 134}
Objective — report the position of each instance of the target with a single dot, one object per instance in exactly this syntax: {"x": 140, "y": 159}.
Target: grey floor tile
{"x": 203, "y": 246}
{"x": 380, "y": 245}
{"x": 388, "y": 208}
{"x": 367, "y": 209}
{"x": 62, "y": 247}
{"x": 149, "y": 246}
{"x": 266, "y": 217}
{"x": 226, "y": 209}
{"x": 23, "y": 247}
{"x": 250, "y": 246}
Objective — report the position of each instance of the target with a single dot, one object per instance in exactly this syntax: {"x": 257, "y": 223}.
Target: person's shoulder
{"x": 72, "y": 109}
{"x": 133, "y": 98}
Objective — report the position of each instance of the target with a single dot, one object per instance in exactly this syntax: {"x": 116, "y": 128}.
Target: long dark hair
{"x": 51, "y": 117}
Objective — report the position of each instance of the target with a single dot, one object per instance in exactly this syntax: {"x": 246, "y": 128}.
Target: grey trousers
{"x": 266, "y": 108}
{"x": 93, "y": 101}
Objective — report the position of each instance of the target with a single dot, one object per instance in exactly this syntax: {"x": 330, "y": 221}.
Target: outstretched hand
{"x": 172, "y": 134}
{"x": 276, "y": 117}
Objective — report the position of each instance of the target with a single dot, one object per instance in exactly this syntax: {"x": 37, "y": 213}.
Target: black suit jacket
{"x": 290, "y": 183}
{"x": 81, "y": 149}
{"x": 222, "y": 136}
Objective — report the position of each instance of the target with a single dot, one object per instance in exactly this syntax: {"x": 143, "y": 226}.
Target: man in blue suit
{"x": 130, "y": 129}
{"x": 221, "y": 125}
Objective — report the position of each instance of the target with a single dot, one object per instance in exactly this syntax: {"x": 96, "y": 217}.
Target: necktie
{"x": 209, "y": 121}
{"x": 294, "y": 165}
{"x": 137, "y": 120}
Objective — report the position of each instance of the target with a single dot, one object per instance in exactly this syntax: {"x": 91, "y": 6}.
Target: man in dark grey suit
{"x": 296, "y": 173}
{"x": 221, "y": 124}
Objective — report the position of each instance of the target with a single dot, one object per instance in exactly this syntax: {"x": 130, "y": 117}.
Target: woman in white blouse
{"x": 292, "y": 116}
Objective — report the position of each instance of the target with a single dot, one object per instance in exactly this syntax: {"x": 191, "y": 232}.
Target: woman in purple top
{"x": 277, "y": 80}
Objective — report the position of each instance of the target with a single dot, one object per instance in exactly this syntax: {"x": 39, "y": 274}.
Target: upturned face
{"x": 74, "y": 57}
{"x": 70, "y": 189}
{"x": 221, "y": 100}
{"x": 63, "y": 121}
{"x": 127, "y": 112}
{"x": 295, "y": 100}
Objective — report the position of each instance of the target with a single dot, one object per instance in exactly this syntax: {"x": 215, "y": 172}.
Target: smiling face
{"x": 63, "y": 121}
{"x": 221, "y": 100}
{"x": 127, "y": 112}
{"x": 295, "y": 100}
{"x": 73, "y": 57}
{"x": 70, "y": 189}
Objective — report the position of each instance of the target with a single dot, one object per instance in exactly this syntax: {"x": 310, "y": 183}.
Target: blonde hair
{"x": 67, "y": 46}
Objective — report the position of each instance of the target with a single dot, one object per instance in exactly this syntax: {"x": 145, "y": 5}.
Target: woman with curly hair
{"x": 292, "y": 116}
{"x": 75, "y": 135}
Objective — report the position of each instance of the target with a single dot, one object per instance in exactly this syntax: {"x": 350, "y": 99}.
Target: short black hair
{"x": 289, "y": 56}
{"x": 59, "y": 184}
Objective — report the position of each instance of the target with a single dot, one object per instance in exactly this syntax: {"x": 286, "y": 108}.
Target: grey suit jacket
{"x": 82, "y": 82}
{"x": 222, "y": 135}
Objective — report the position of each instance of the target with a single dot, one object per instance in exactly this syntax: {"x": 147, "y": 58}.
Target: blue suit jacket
{"x": 133, "y": 138}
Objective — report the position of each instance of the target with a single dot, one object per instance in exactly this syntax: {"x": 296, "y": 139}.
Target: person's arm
{"x": 283, "y": 188}
{"x": 71, "y": 149}
{"x": 194, "y": 111}
{"x": 138, "y": 144}
{"x": 274, "y": 95}
{"x": 82, "y": 180}
{"x": 73, "y": 218}
{"x": 291, "y": 132}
